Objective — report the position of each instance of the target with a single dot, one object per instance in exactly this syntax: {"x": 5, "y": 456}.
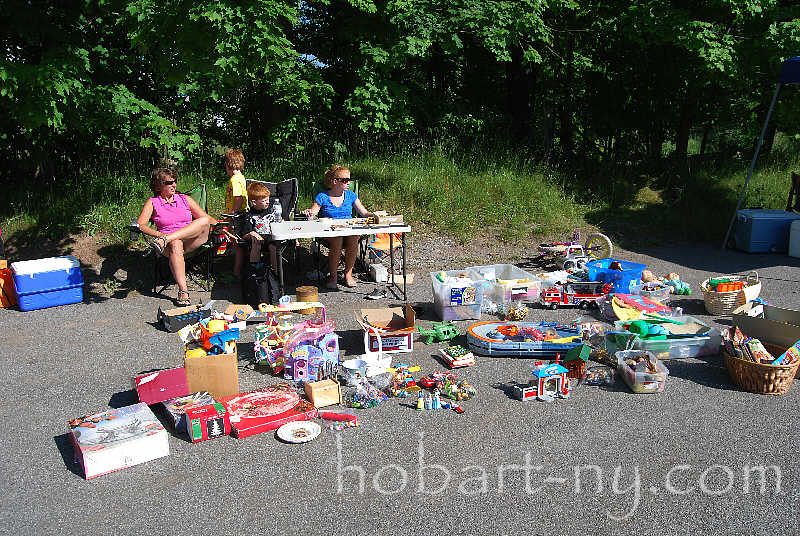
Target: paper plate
{"x": 299, "y": 431}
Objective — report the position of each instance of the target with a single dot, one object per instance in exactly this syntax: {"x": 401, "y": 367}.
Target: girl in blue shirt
{"x": 338, "y": 203}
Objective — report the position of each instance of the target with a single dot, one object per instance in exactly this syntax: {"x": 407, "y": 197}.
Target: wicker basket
{"x": 776, "y": 350}
{"x": 723, "y": 303}
{"x": 758, "y": 378}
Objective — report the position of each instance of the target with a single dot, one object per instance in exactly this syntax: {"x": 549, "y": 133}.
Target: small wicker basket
{"x": 723, "y": 303}
{"x": 758, "y": 378}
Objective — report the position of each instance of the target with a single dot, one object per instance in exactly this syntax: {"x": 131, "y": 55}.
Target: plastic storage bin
{"x": 660, "y": 293}
{"x": 623, "y": 280}
{"x": 700, "y": 345}
{"x": 794, "y": 239}
{"x": 457, "y": 298}
{"x": 47, "y": 282}
{"x": 506, "y": 282}
{"x": 641, "y": 382}
{"x": 763, "y": 231}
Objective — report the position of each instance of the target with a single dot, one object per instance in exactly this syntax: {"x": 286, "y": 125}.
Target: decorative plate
{"x": 299, "y": 431}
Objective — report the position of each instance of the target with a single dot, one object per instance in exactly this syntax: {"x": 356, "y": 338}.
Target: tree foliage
{"x": 609, "y": 81}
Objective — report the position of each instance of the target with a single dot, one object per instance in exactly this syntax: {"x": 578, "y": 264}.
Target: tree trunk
{"x": 704, "y": 143}
{"x": 518, "y": 91}
{"x": 566, "y": 124}
{"x": 682, "y": 134}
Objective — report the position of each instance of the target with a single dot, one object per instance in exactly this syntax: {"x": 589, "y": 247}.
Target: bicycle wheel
{"x": 599, "y": 246}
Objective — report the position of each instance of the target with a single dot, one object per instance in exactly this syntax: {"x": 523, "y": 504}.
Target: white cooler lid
{"x": 51, "y": 264}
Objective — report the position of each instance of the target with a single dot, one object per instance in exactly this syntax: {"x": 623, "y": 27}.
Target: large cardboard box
{"x": 777, "y": 326}
{"x": 395, "y": 327}
{"x": 216, "y": 374}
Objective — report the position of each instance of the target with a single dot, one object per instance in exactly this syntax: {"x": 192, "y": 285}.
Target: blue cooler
{"x": 48, "y": 282}
{"x": 763, "y": 231}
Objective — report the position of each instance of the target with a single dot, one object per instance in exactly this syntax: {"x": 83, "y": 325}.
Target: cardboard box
{"x": 160, "y": 385}
{"x": 324, "y": 392}
{"x": 174, "y": 319}
{"x": 216, "y": 374}
{"x": 239, "y": 312}
{"x": 778, "y": 326}
{"x": 207, "y": 422}
{"x": 266, "y": 409}
{"x": 177, "y": 407}
{"x": 117, "y": 438}
{"x": 395, "y": 327}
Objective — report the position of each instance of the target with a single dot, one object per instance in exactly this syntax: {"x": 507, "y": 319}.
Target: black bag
{"x": 260, "y": 286}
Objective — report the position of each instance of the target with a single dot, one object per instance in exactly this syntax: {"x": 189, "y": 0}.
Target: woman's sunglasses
{"x": 169, "y": 183}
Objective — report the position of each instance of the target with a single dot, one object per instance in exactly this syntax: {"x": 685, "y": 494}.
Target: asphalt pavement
{"x": 701, "y": 457}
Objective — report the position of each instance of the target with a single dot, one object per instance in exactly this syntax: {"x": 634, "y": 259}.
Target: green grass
{"x": 458, "y": 194}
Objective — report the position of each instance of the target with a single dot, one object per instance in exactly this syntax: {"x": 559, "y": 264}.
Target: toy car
{"x": 582, "y": 294}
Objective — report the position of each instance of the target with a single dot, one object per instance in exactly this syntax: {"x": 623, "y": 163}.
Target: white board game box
{"x": 117, "y": 438}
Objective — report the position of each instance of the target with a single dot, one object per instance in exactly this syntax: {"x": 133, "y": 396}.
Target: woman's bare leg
{"x": 350, "y": 259}
{"x": 334, "y": 253}
{"x": 174, "y": 253}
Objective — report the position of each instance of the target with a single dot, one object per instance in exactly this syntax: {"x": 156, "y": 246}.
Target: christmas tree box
{"x": 266, "y": 409}
{"x": 177, "y": 407}
{"x": 207, "y": 422}
{"x": 117, "y": 438}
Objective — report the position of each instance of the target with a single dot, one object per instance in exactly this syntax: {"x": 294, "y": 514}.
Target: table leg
{"x": 279, "y": 253}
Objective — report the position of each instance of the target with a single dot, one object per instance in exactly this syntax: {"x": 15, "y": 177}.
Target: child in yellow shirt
{"x": 235, "y": 197}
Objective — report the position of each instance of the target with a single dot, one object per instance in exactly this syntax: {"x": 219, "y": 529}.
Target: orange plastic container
{"x": 8, "y": 295}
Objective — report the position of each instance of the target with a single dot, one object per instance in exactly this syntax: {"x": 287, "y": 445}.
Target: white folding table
{"x": 292, "y": 230}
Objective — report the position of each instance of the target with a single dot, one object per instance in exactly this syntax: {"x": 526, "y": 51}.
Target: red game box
{"x": 207, "y": 422}
{"x": 266, "y": 409}
{"x": 160, "y": 385}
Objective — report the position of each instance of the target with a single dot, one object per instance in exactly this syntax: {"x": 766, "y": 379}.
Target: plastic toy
{"x": 678, "y": 286}
{"x": 524, "y": 339}
{"x": 548, "y": 383}
{"x": 365, "y": 396}
{"x": 597, "y": 246}
{"x": 515, "y": 310}
{"x": 439, "y": 331}
{"x": 577, "y": 294}
{"x": 402, "y": 380}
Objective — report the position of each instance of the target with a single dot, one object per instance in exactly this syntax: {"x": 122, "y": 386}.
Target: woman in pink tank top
{"x": 181, "y": 225}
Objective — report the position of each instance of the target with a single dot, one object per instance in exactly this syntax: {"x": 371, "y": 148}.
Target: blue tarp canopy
{"x": 790, "y": 72}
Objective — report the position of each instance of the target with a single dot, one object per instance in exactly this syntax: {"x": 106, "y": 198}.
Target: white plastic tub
{"x": 457, "y": 298}
{"x": 506, "y": 282}
{"x": 705, "y": 344}
{"x": 641, "y": 382}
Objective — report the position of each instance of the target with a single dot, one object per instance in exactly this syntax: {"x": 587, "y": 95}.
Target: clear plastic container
{"x": 703, "y": 344}
{"x": 639, "y": 381}
{"x": 457, "y": 298}
{"x": 622, "y": 280}
{"x": 659, "y": 291}
{"x": 505, "y": 282}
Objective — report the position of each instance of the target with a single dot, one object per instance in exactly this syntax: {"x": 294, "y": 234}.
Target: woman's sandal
{"x": 183, "y": 298}
{"x": 159, "y": 244}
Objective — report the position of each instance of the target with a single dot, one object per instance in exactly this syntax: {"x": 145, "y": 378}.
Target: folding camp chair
{"x": 198, "y": 262}
{"x": 286, "y": 192}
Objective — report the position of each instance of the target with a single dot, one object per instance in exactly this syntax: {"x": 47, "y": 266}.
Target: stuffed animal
{"x": 678, "y": 287}
{"x": 648, "y": 277}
